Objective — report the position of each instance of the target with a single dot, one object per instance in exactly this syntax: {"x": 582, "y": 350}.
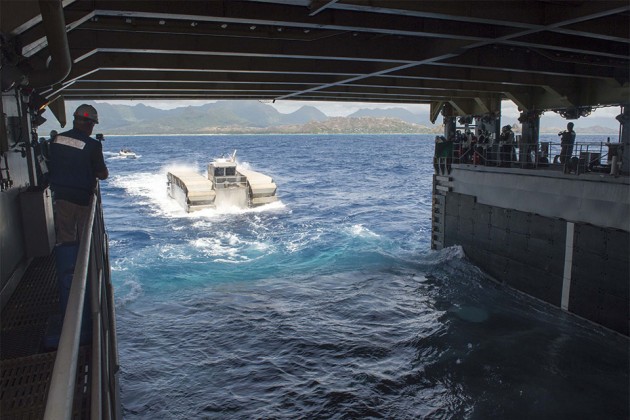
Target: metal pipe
{"x": 97, "y": 392}
{"x": 112, "y": 326}
{"x": 96, "y": 399}
{"x": 62, "y": 383}
{"x": 60, "y": 61}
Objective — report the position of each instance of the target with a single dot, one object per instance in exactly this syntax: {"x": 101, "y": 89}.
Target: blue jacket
{"x": 74, "y": 159}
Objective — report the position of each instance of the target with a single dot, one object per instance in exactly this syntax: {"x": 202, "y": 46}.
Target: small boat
{"x": 226, "y": 185}
{"x": 127, "y": 153}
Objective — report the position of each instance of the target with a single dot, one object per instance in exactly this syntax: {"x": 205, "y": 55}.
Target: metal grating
{"x": 26, "y": 316}
{"x": 25, "y": 368}
{"x": 24, "y": 386}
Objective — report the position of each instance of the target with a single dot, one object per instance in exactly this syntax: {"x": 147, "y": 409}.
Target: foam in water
{"x": 130, "y": 291}
{"x": 360, "y": 230}
{"x": 151, "y": 190}
{"x": 231, "y": 199}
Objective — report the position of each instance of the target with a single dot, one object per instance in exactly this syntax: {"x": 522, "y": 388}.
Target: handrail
{"x": 61, "y": 392}
{"x": 545, "y": 154}
{"x": 92, "y": 266}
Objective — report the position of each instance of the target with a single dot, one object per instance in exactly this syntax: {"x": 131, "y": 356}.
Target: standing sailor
{"x": 567, "y": 139}
{"x": 75, "y": 161}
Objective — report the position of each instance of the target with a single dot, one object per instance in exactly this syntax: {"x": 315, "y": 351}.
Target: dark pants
{"x": 565, "y": 153}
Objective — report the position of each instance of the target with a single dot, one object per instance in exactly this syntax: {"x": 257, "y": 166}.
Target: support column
{"x": 528, "y": 142}
{"x": 624, "y": 120}
{"x": 449, "y": 127}
{"x": 488, "y": 125}
{"x": 568, "y": 265}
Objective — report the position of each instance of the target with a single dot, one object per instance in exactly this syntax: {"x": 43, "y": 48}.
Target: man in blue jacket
{"x": 76, "y": 161}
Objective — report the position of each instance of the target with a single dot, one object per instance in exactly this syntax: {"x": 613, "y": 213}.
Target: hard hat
{"x": 88, "y": 112}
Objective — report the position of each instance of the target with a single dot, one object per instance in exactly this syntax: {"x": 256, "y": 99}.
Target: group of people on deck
{"x": 467, "y": 147}
{"x": 484, "y": 149}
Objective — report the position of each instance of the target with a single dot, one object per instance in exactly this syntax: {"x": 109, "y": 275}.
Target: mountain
{"x": 111, "y": 116}
{"x": 398, "y": 113}
{"x": 364, "y": 125}
{"x": 233, "y": 117}
{"x": 256, "y": 117}
{"x": 304, "y": 115}
{"x": 142, "y": 119}
{"x": 247, "y": 113}
{"x": 553, "y": 123}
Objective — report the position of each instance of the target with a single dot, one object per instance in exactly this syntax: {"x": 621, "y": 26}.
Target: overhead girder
{"x": 519, "y": 13}
{"x": 541, "y": 54}
{"x": 370, "y": 24}
{"x": 436, "y": 86}
{"x": 130, "y": 89}
{"x": 110, "y": 60}
{"x": 256, "y": 85}
{"x": 390, "y": 81}
{"x": 154, "y": 64}
{"x": 475, "y": 106}
{"x": 227, "y": 75}
{"x": 594, "y": 50}
{"x": 346, "y": 57}
{"x": 344, "y": 47}
{"x": 522, "y": 60}
{"x": 534, "y": 16}
{"x": 585, "y": 93}
{"x": 263, "y": 64}
{"x": 435, "y": 110}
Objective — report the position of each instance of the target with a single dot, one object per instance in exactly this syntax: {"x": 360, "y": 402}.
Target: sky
{"x": 509, "y": 110}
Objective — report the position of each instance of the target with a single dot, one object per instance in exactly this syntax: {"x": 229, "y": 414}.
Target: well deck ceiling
{"x": 540, "y": 54}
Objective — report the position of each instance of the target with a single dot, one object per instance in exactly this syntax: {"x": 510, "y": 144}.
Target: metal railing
{"x": 583, "y": 156}
{"x": 92, "y": 267}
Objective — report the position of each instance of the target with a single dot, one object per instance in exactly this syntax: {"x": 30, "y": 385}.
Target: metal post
{"x": 96, "y": 399}
{"x": 624, "y": 137}
{"x": 530, "y": 129}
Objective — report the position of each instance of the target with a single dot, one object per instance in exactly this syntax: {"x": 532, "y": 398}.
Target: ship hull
{"x": 549, "y": 244}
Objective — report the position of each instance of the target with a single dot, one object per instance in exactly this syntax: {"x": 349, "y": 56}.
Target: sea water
{"x": 328, "y": 303}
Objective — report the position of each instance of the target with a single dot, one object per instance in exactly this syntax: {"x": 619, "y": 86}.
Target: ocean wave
{"x": 362, "y": 231}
